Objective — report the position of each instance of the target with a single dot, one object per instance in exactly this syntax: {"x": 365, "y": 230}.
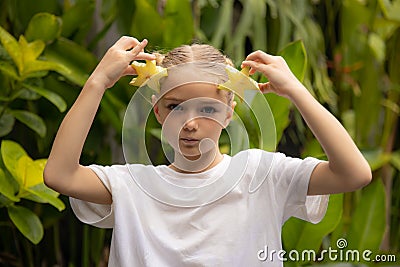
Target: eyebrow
{"x": 173, "y": 98}
{"x": 203, "y": 102}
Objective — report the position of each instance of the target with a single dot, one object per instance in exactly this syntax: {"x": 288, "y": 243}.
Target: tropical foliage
{"x": 346, "y": 52}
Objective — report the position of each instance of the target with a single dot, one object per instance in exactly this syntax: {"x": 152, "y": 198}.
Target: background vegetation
{"x": 49, "y": 47}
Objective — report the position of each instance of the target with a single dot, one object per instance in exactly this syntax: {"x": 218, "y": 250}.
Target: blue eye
{"x": 175, "y": 107}
{"x": 208, "y": 110}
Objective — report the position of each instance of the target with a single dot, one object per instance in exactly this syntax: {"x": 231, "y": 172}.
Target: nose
{"x": 191, "y": 124}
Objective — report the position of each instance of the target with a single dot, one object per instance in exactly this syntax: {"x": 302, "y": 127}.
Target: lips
{"x": 189, "y": 140}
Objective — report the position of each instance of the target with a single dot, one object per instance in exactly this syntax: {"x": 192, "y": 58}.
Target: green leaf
{"x": 27, "y": 222}
{"x": 43, "y": 26}
{"x": 368, "y": 220}
{"x": 77, "y": 16}
{"x": 33, "y": 67}
{"x": 6, "y": 188}
{"x": 11, "y": 152}
{"x": 42, "y": 194}
{"x": 296, "y": 58}
{"x": 301, "y": 235}
{"x": 49, "y": 95}
{"x": 25, "y": 94}
{"x": 31, "y": 120}
{"x": 12, "y": 47}
{"x": 72, "y": 56}
{"x": 6, "y": 123}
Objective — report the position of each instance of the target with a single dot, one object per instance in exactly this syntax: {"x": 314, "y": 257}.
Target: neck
{"x": 196, "y": 164}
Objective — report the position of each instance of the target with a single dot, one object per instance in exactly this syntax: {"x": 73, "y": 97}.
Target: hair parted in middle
{"x": 193, "y": 53}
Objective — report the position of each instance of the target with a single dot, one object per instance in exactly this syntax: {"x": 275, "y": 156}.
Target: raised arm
{"x": 346, "y": 168}
{"x": 63, "y": 172}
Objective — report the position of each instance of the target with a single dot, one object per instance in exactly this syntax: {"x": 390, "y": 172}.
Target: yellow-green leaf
{"x": 42, "y": 194}
{"x": 30, "y": 51}
{"x": 29, "y": 171}
{"x": 11, "y": 152}
{"x": 12, "y": 47}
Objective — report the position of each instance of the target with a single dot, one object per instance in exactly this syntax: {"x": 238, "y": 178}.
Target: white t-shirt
{"x": 195, "y": 219}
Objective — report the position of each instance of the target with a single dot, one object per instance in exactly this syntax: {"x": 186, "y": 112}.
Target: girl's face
{"x": 193, "y": 116}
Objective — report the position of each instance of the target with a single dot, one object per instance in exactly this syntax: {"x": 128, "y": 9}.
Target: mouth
{"x": 189, "y": 141}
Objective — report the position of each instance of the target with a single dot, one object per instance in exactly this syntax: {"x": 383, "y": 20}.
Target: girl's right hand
{"x": 116, "y": 61}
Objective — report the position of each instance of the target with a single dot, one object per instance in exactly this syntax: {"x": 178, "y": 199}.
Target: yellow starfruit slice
{"x": 145, "y": 71}
{"x": 238, "y": 81}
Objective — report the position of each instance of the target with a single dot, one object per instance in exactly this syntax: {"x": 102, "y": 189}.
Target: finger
{"x": 260, "y": 56}
{"x": 138, "y": 48}
{"x": 126, "y": 42}
{"x": 255, "y": 66}
{"x": 264, "y": 87}
{"x": 145, "y": 56}
{"x": 129, "y": 71}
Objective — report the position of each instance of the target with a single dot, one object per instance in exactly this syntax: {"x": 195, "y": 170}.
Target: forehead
{"x": 195, "y": 90}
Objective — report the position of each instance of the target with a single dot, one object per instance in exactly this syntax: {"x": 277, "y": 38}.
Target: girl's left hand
{"x": 281, "y": 79}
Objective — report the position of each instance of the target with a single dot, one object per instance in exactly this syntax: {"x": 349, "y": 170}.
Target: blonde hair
{"x": 193, "y": 53}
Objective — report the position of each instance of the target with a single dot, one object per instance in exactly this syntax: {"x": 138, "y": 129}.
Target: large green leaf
{"x": 49, "y": 95}
{"x": 368, "y": 220}
{"x": 296, "y": 57}
{"x": 301, "y": 235}
{"x": 27, "y": 222}
{"x": 43, "y": 26}
{"x": 11, "y": 152}
{"x": 31, "y": 120}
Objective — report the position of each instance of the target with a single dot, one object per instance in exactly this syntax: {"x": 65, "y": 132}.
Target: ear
{"x": 229, "y": 114}
{"x": 156, "y": 109}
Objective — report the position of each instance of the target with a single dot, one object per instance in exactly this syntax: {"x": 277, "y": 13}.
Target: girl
{"x": 203, "y": 213}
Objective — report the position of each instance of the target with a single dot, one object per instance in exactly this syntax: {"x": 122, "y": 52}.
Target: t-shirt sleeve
{"x": 291, "y": 178}
{"x": 98, "y": 215}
